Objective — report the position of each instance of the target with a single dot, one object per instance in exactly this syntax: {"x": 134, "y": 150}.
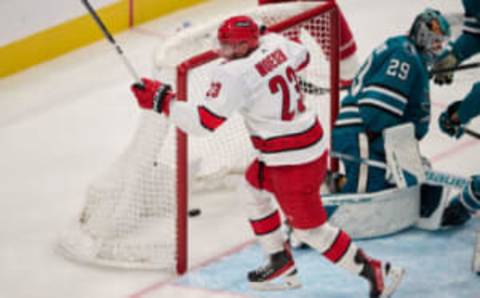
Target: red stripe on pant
{"x": 339, "y": 247}
{"x": 296, "y": 189}
{"x": 267, "y": 224}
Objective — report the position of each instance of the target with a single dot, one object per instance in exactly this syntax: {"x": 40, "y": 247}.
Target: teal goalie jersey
{"x": 391, "y": 88}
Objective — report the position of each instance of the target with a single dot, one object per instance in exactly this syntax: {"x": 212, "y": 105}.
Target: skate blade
{"x": 281, "y": 284}
{"x": 395, "y": 275}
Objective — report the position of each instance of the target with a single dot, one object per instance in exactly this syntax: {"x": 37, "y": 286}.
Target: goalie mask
{"x": 237, "y": 30}
{"x": 430, "y": 32}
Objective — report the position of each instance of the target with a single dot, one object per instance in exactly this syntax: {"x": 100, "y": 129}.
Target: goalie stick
{"x": 313, "y": 89}
{"x": 455, "y": 68}
{"x": 434, "y": 177}
{"x": 110, "y": 38}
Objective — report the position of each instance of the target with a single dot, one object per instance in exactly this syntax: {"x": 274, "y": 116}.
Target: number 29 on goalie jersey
{"x": 390, "y": 88}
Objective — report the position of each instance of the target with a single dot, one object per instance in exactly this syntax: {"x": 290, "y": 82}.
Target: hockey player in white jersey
{"x": 258, "y": 79}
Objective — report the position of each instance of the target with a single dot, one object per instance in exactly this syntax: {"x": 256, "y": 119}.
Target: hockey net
{"x": 135, "y": 214}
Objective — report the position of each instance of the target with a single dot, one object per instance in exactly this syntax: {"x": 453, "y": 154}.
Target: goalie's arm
{"x": 470, "y": 106}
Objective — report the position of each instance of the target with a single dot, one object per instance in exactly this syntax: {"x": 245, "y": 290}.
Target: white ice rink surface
{"x": 65, "y": 121}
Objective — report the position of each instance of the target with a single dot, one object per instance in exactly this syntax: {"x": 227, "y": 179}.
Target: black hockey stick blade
{"x": 456, "y": 68}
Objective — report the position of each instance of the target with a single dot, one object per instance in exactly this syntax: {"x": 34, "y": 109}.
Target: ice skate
{"x": 279, "y": 273}
{"x": 383, "y": 277}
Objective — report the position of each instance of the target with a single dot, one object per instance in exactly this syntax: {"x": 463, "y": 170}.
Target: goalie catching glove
{"x": 445, "y": 62}
{"x": 449, "y": 122}
{"x": 153, "y": 95}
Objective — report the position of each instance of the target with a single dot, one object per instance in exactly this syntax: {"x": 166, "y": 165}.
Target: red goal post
{"x": 135, "y": 214}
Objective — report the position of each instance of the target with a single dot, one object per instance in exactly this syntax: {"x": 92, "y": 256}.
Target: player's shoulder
{"x": 230, "y": 69}
{"x": 234, "y": 71}
{"x": 403, "y": 49}
{"x": 402, "y": 46}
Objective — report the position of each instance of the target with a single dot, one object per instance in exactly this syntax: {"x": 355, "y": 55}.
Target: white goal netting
{"x": 131, "y": 217}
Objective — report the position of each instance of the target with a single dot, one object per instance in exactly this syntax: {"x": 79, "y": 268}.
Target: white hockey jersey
{"x": 264, "y": 89}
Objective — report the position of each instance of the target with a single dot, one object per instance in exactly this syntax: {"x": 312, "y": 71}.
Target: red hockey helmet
{"x": 239, "y": 29}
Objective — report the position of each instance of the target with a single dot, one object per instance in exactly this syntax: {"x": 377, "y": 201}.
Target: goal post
{"x": 182, "y": 159}
{"x": 135, "y": 214}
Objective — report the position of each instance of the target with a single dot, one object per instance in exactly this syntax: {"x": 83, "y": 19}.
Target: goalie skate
{"x": 384, "y": 278}
{"x": 278, "y": 274}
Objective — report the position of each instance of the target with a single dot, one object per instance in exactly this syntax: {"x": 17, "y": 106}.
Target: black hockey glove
{"x": 447, "y": 123}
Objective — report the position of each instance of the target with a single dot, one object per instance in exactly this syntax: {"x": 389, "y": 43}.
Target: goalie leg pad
{"x": 360, "y": 177}
{"x": 461, "y": 208}
{"x": 455, "y": 214}
{"x": 433, "y": 202}
{"x": 470, "y": 196}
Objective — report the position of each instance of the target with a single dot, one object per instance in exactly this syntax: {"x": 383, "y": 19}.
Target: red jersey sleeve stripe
{"x": 267, "y": 224}
{"x": 296, "y": 141}
{"x": 210, "y": 120}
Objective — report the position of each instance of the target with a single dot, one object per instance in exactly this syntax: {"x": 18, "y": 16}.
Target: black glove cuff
{"x": 159, "y": 97}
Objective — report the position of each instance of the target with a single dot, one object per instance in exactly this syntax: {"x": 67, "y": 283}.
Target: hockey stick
{"x": 313, "y": 89}
{"x": 471, "y": 133}
{"x": 110, "y": 38}
{"x": 455, "y": 68}
{"x": 434, "y": 177}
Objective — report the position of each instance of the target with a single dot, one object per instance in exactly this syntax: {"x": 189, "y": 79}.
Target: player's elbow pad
{"x": 186, "y": 117}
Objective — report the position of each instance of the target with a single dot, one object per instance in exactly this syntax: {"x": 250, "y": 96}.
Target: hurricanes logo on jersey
{"x": 214, "y": 90}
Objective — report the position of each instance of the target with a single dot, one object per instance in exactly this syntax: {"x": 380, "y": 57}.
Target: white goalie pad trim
{"x": 375, "y": 214}
{"x": 403, "y": 154}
